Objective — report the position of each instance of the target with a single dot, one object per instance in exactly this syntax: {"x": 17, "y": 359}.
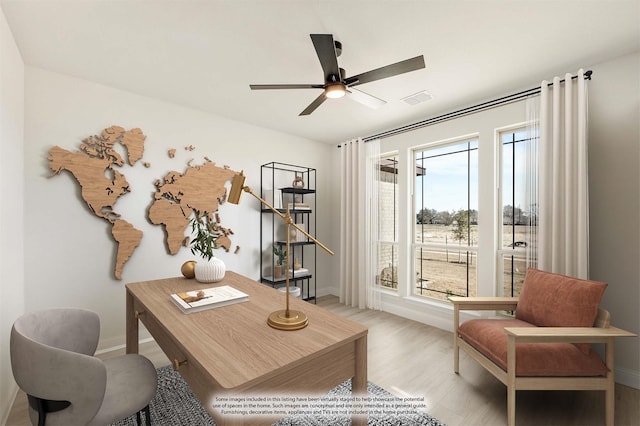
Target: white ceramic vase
{"x": 210, "y": 271}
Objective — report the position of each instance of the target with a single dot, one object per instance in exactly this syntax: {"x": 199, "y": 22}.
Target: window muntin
{"x": 446, "y": 219}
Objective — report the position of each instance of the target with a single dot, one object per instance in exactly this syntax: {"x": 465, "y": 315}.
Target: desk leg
{"x": 132, "y": 326}
{"x": 359, "y": 381}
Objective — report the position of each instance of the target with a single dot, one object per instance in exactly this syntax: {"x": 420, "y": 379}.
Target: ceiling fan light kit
{"x": 336, "y": 84}
{"x": 335, "y": 90}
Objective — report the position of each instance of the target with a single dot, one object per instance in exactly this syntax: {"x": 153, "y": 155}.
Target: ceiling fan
{"x": 336, "y": 84}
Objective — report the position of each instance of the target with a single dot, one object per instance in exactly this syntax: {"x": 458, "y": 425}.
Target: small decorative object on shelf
{"x": 296, "y": 264}
{"x": 280, "y": 254}
{"x": 207, "y": 231}
{"x": 298, "y": 182}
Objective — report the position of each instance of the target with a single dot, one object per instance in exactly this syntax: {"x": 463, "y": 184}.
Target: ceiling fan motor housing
{"x": 338, "y": 47}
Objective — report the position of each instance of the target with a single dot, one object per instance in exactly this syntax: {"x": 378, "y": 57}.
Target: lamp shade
{"x": 237, "y": 185}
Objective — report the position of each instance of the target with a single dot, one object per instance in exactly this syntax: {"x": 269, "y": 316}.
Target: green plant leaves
{"x": 205, "y": 231}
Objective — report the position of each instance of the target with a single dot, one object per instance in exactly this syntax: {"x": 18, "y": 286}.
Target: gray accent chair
{"x": 52, "y": 360}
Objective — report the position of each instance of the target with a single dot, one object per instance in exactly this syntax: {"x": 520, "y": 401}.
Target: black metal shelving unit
{"x": 276, "y": 187}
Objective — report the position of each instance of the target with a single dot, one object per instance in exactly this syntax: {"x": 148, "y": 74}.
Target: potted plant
{"x": 206, "y": 231}
{"x": 280, "y": 253}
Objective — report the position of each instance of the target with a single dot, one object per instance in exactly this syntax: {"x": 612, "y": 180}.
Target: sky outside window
{"x": 450, "y": 180}
{"x": 514, "y": 169}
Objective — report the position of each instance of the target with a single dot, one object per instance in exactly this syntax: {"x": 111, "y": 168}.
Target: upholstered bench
{"x": 547, "y": 345}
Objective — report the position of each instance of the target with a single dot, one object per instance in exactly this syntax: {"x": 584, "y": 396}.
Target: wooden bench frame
{"x": 602, "y": 332}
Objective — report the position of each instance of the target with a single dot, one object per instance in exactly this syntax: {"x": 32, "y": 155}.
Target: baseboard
{"x": 5, "y": 407}
{"x": 106, "y": 349}
{"x": 327, "y": 291}
{"x": 115, "y": 343}
{"x": 627, "y": 377}
{"x": 434, "y": 313}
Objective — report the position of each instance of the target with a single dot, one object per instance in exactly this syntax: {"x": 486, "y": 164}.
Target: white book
{"x": 298, "y": 207}
{"x": 301, "y": 271}
{"x": 208, "y": 298}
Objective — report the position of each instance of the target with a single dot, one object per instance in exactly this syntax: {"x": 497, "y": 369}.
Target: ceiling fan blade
{"x": 285, "y": 86}
{"x": 315, "y": 104}
{"x": 401, "y": 67}
{"x": 326, "y": 50}
{"x": 365, "y": 98}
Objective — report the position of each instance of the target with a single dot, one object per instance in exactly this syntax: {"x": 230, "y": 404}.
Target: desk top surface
{"x": 234, "y": 342}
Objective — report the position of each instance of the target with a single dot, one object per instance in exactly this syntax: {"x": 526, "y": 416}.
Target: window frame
{"x": 395, "y": 242}
{"x": 414, "y": 245}
{"x": 503, "y": 253}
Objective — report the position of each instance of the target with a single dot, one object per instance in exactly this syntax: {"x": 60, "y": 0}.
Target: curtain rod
{"x": 464, "y": 111}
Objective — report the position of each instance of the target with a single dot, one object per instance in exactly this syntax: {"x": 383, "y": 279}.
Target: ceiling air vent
{"x": 416, "y": 98}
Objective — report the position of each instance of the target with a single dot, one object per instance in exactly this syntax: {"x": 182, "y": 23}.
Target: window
{"x": 446, "y": 219}
{"x": 388, "y": 222}
{"x": 519, "y": 215}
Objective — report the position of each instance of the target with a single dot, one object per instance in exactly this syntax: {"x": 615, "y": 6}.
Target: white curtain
{"x": 562, "y": 186}
{"x": 531, "y": 179}
{"x": 359, "y": 224}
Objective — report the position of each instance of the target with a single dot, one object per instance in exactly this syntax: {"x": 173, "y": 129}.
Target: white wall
{"x": 614, "y": 179}
{"x": 614, "y": 200}
{"x": 69, "y": 251}
{"x": 11, "y": 204}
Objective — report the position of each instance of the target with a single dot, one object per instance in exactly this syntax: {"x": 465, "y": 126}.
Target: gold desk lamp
{"x": 286, "y": 319}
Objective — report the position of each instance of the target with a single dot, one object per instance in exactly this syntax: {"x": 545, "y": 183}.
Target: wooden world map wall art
{"x": 178, "y": 195}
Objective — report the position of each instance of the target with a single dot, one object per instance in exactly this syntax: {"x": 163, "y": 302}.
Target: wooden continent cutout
{"x": 200, "y": 188}
{"x": 101, "y": 186}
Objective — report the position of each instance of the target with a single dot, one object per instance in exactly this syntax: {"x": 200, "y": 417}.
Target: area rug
{"x": 175, "y": 404}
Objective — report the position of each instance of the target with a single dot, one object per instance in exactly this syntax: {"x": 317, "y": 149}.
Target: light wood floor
{"x": 410, "y": 358}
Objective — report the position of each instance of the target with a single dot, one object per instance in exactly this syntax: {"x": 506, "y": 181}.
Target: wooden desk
{"x": 232, "y": 350}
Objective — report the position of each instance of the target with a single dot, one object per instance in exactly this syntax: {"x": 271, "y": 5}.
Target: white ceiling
{"x": 204, "y": 54}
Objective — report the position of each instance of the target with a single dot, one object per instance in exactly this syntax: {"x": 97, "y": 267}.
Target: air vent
{"x": 416, "y": 98}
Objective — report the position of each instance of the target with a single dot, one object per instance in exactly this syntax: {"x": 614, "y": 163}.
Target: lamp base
{"x": 295, "y": 321}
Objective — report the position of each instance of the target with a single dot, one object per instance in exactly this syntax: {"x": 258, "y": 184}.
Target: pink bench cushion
{"x": 554, "y": 300}
{"x": 532, "y": 359}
